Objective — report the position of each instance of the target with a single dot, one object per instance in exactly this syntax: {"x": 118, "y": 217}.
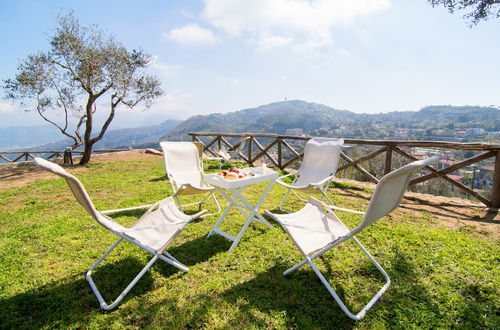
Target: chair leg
{"x": 176, "y": 197}
{"x": 284, "y": 200}
{"x": 216, "y": 203}
{"x": 323, "y": 192}
{"x": 178, "y": 201}
{"x": 168, "y": 258}
{"x": 332, "y": 292}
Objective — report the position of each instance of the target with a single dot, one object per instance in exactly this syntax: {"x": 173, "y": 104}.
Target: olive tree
{"x": 477, "y": 9}
{"x": 83, "y": 71}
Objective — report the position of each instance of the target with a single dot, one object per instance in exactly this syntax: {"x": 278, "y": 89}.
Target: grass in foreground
{"x": 440, "y": 278}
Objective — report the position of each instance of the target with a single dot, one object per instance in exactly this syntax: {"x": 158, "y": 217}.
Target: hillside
{"x": 270, "y": 118}
{"x": 430, "y": 123}
{"x": 122, "y": 138}
{"x": 449, "y": 123}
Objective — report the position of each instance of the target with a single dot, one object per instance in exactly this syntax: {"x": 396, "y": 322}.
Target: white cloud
{"x": 6, "y": 108}
{"x": 279, "y": 22}
{"x": 192, "y": 35}
{"x": 164, "y": 69}
{"x": 268, "y": 42}
{"x": 172, "y": 101}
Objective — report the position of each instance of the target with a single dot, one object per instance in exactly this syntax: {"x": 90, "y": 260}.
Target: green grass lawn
{"x": 441, "y": 278}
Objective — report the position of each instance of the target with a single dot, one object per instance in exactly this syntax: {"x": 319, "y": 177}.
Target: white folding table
{"x": 235, "y": 187}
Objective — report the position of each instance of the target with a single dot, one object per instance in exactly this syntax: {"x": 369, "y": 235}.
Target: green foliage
{"x": 440, "y": 278}
{"x": 478, "y": 9}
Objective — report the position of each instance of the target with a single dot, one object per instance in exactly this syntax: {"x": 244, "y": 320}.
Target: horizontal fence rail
{"x": 281, "y": 152}
{"x": 24, "y": 155}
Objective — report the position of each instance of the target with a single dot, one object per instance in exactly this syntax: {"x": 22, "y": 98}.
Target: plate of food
{"x": 236, "y": 177}
{"x": 235, "y": 174}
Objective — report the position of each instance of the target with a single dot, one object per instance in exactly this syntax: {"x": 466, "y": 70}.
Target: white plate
{"x": 221, "y": 182}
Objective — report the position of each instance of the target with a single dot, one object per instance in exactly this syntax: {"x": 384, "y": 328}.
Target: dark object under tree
{"x": 82, "y": 65}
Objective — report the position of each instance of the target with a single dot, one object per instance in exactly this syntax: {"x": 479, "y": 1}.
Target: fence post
{"x": 68, "y": 158}
{"x": 250, "y": 142}
{"x": 388, "y": 160}
{"x": 495, "y": 194}
{"x": 280, "y": 155}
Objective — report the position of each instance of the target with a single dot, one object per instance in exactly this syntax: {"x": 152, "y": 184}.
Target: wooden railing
{"x": 279, "y": 150}
{"x": 20, "y": 156}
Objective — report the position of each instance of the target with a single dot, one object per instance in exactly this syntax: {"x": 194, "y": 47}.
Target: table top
{"x": 260, "y": 175}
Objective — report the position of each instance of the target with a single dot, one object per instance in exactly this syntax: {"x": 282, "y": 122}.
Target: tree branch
{"x": 108, "y": 121}
{"x": 74, "y": 75}
{"x": 63, "y": 131}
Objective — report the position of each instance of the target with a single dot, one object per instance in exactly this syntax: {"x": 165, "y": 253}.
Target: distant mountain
{"x": 433, "y": 122}
{"x": 122, "y": 138}
{"x": 15, "y": 138}
{"x": 271, "y": 118}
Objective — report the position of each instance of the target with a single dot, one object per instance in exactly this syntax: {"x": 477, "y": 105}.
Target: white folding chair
{"x": 153, "y": 231}
{"x": 321, "y": 159}
{"x": 227, "y": 155}
{"x": 315, "y": 229}
{"x": 185, "y": 172}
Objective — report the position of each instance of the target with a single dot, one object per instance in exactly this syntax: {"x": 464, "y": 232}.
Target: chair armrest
{"x": 317, "y": 202}
{"x": 322, "y": 182}
{"x": 284, "y": 176}
{"x": 199, "y": 214}
{"x": 289, "y": 186}
{"x": 331, "y": 207}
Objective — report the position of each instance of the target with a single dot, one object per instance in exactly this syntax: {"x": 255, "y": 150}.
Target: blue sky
{"x": 366, "y": 56}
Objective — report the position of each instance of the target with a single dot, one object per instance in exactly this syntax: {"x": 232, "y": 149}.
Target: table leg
{"x": 254, "y": 214}
{"x": 260, "y": 219}
{"x": 221, "y": 218}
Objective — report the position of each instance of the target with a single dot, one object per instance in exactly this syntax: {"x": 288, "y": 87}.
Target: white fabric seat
{"x": 185, "y": 172}
{"x": 311, "y": 229}
{"x": 320, "y": 162}
{"x": 315, "y": 229}
{"x": 153, "y": 231}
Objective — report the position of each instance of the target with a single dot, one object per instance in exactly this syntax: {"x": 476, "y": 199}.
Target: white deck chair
{"x": 226, "y": 155}
{"x": 315, "y": 230}
{"x": 153, "y": 231}
{"x": 185, "y": 172}
{"x": 321, "y": 159}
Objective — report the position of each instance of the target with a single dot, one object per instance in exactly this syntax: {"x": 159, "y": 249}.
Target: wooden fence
{"x": 284, "y": 155}
{"x": 19, "y": 156}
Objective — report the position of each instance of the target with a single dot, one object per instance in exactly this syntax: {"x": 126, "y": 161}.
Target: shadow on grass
{"x": 193, "y": 252}
{"x": 307, "y": 304}
{"x": 160, "y": 179}
{"x": 300, "y": 297}
{"x": 69, "y": 302}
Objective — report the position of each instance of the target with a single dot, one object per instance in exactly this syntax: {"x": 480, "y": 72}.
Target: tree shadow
{"x": 194, "y": 252}
{"x": 300, "y": 296}
{"x": 159, "y": 179}
{"x": 70, "y": 301}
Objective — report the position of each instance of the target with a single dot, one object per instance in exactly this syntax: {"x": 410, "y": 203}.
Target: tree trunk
{"x": 87, "y": 152}
{"x": 87, "y": 143}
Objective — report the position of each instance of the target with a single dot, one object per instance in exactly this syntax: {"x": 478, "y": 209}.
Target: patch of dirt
{"x": 454, "y": 213}
{"x": 18, "y": 174}
{"x": 451, "y": 212}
